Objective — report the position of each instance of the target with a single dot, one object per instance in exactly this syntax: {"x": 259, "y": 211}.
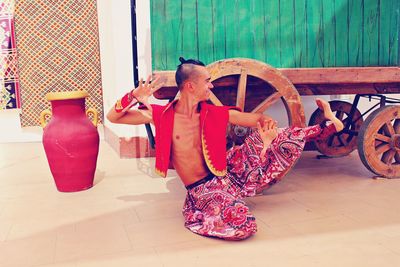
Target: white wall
{"x": 116, "y": 54}
{"x": 11, "y": 130}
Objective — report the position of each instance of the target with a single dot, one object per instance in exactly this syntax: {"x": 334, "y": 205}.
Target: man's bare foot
{"x": 328, "y": 114}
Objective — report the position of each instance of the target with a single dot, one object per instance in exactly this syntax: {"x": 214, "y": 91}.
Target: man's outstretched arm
{"x": 247, "y": 119}
{"x": 134, "y": 117}
{"x": 122, "y": 113}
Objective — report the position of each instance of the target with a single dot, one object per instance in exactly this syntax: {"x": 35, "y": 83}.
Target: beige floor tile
{"x": 391, "y": 243}
{"x": 160, "y": 232}
{"x": 30, "y": 251}
{"x": 60, "y": 264}
{"x": 286, "y": 212}
{"x": 138, "y": 257}
{"x": 5, "y": 227}
{"x": 91, "y": 238}
{"x": 158, "y": 211}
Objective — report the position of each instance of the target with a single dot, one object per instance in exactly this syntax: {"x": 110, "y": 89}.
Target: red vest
{"x": 213, "y": 123}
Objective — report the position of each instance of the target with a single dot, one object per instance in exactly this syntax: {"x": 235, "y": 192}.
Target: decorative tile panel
{"x": 58, "y": 50}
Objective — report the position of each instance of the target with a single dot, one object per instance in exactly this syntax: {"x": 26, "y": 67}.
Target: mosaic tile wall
{"x": 9, "y": 86}
{"x": 58, "y": 50}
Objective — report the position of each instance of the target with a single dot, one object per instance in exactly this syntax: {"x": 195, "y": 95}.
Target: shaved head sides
{"x": 185, "y": 70}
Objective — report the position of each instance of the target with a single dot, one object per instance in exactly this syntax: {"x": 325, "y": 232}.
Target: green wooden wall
{"x": 282, "y": 33}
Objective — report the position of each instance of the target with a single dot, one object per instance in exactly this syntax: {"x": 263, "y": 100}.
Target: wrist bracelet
{"x": 125, "y": 103}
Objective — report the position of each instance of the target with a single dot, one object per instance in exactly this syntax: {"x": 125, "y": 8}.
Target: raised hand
{"x": 147, "y": 89}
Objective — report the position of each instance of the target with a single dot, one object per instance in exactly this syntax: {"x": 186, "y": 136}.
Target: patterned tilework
{"x": 9, "y": 86}
{"x": 58, "y": 50}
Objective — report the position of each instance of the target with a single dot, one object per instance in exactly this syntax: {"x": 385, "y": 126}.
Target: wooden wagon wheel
{"x": 379, "y": 142}
{"x": 344, "y": 142}
{"x": 277, "y": 85}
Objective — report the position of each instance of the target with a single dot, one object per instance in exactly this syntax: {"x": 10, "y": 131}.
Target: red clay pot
{"x": 71, "y": 141}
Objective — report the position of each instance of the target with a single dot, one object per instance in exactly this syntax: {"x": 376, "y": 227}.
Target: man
{"x": 190, "y": 136}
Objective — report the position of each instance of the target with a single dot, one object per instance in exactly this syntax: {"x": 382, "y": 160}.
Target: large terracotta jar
{"x": 70, "y": 140}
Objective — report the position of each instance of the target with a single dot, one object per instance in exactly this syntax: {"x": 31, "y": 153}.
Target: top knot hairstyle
{"x": 185, "y": 69}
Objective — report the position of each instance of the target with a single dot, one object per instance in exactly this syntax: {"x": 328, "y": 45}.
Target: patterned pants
{"x": 215, "y": 207}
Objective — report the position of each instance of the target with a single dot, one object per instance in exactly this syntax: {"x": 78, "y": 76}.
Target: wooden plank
{"x": 301, "y": 52}
{"x": 258, "y": 35}
{"x": 287, "y": 33}
{"x": 384, "y": 31}
{"x": 189, "y": 31}
{"x": 206, "y": 31}
{"x": 351, "y": 77}
{"x": 342, "y": 33}
{"x": 244, "y": 33}
{"x": 311, "y": 89}
{"x": 173, "y": 33}
{"x": 329, "y": 31}
{"x": 347, "y": 89}
{"x": 158, "y": 40}
{"x": 355, "y": 32}
{"x": 370, "y": 54}
{"x": 232, "y": 28}
{"x": 272, "y": 32}
{"x": 394, "y": 34}
{"x": 298, "y": 76}
{"x": 315, "y": 33}
{"x": 342, "y": 75}
{"x": 219, "y": 25}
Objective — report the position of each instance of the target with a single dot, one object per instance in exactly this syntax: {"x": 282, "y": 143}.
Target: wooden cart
{"x": 254, "y": 86}
{"x": 317, "y": 48}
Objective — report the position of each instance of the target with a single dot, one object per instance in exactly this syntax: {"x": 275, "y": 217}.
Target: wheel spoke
{"x": 388, "y": 129}
{"x": 342, "y": 142}
{"x": 382, "y": 137}
{"x": 396, "y": 126}
{"x": 382, "y": 148}
{"x": 332, "y": 141}
{"x": 267, "y": 102}
{"x": 241, "y": 90}
{"x": 215, "y": 99}
{"x": 340, "y": 114}
{"x": 397, "y": 157}
{"x": 388, "y": 156}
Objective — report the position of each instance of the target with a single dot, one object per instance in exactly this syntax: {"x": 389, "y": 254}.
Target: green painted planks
{"x": 342, "y": 33}
{"x": 258, "y": 29}
{"x": 219, "y": 28}
{"x": 300, "y": 19}
{"x": 384, "y": 33}
{"x": 245, "y": 40}
{"x": 394, "y": 33}
{"x": 189, "y": 30}
{"x": 173, "y": 40}
{"x": 329, "y": 33}
{"x": 205, "y": 30}
{"x": 356, "y": 8}
{"x": 371, "y": 33}
{"x": 287, "y": 33}
{"x": 272, "y": 31}
{"x": 315, "y": 33}
{"x": 158, "y": 36}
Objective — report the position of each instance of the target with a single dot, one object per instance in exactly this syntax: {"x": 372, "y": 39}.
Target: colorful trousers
{"x": 214, "y": 206}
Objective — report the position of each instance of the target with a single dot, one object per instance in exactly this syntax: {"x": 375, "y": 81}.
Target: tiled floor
{"x": 327, "y": 212}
